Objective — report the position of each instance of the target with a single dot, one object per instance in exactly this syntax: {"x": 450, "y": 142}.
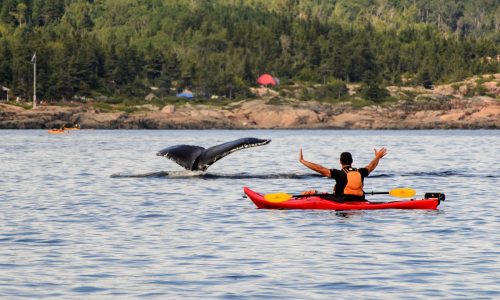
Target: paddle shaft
{"x": 370, "y": 193}
{"x": 398, "y": 192}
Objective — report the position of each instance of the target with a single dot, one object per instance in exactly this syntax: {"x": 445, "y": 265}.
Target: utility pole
{"x": 33, "y": 61}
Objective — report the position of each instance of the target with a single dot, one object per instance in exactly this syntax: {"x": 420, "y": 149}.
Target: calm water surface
{"x": 93, "y": 215}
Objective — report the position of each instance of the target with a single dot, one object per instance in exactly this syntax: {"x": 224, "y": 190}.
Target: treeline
{"x": 122, "y": 48}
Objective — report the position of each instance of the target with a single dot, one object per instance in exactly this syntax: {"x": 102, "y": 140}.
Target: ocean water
{"x": 97, "y": 215}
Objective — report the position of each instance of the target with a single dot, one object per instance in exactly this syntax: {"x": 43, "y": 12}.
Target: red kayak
{"x": 316, "y": 202}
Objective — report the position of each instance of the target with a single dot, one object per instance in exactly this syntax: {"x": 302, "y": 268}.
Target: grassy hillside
{"x": 121, "y": 48}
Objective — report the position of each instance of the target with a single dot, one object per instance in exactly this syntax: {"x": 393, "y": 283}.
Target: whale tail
{"x": 196, "y": 158}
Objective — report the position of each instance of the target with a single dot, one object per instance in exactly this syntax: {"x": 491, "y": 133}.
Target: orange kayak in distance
{"x": 56, "y": 131}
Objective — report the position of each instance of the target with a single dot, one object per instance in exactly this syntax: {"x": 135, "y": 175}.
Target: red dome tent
{"x": 266, "y": 79}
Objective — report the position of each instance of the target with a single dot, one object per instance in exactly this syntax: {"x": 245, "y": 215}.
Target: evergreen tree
{"x": 371, "y": 88}
{"x": 220, "y": 46}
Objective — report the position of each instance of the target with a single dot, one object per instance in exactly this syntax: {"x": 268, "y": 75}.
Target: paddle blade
{"x": 277, "y": 197}
{"x": 402, "y": 192}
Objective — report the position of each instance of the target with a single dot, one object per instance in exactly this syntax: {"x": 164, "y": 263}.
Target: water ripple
{"x": 81, "y": 226}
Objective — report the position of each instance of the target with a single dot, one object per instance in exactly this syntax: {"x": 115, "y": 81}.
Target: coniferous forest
{"x": 122, "y": 48}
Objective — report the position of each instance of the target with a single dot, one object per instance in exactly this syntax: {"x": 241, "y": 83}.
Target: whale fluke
{"x": 196, "y": 158}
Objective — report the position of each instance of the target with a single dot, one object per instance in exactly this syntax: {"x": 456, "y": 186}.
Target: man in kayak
{"x": 348, "y": 180}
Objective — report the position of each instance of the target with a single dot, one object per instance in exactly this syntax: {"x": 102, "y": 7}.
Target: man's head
{"x": 346, "y": 158}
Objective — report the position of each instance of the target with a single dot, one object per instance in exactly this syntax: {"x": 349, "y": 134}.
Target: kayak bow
{"x": 316, "y": 202}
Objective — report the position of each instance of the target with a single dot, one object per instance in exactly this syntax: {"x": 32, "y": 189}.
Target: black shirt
{"x": 341, "y": 181}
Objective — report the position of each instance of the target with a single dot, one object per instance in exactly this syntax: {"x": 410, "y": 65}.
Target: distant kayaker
{"x": 348, "y": 180}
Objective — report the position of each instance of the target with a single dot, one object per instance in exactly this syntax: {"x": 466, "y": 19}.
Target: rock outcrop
{"x": 446, "y": 106}
{"x": 476, "y": 112}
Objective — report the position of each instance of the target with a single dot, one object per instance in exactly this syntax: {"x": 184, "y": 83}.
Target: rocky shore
{"x": 443, "y": 108}
{"x": 473, "y": 113}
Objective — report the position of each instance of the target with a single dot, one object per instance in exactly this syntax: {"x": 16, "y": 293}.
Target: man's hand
{"x": 380, "y": 153}
{"x": 309, "y": 192}
{"x": 301, "y": 157}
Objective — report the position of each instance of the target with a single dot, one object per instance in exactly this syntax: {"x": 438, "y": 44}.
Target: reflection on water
{"x": 95, "y": 215}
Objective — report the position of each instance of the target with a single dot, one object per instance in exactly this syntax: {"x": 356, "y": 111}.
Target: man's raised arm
{"x": 315, "y": 167}
{"x": 378, "y": 155}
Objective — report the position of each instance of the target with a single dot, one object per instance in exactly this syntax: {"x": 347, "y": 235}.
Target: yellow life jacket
{"x": 354, "y": 184}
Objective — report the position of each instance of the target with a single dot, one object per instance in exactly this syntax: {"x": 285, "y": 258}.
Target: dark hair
{"x": 346, "y": 158}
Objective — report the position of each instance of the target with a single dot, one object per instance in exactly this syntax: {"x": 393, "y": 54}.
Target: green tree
{"x": 371, "y": 89}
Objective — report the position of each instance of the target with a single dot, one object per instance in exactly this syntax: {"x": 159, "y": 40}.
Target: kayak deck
{"x": 316, "y": 202}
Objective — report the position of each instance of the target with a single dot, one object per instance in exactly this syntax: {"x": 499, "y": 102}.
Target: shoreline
{"x": 473, "y": 113}
{"x": 445, "y": 106}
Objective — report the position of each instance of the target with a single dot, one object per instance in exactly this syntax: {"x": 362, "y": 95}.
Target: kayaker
{"x": 348, "y": 180}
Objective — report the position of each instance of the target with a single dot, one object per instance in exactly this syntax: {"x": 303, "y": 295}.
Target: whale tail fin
{"x": 196, "y": 158}
{"x": 184, "y": 155}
